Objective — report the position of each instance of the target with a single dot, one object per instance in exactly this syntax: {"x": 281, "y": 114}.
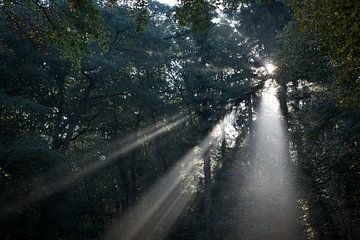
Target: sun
{"x": 270, "y": 68}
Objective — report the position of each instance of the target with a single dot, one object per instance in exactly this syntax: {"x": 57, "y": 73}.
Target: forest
{"x": 180, "y": 120}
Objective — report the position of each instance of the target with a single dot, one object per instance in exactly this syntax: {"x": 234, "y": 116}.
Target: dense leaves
{"x": 335, "y": 26}
{"x": 78, "y": 75}
{"x": 324, "y": 127}
{"x": 58, "y": 117}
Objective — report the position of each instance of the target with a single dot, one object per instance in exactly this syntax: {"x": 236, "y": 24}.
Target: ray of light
{"x": 270, "y": 68}
{"x": 115, "y": 150}
{"x": 270, "y": 185}
{"x": 155, "y": 213}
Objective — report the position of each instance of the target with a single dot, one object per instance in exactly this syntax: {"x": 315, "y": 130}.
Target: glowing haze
{"x": 270, "y": 184}
{"x": 156, "y": 212}
{"x": 112, "y": 153}
{"x": 270, "y": 68}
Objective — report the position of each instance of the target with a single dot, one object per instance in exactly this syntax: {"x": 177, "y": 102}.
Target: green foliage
{"x": 57, "y": 116}
{"x": 140, "y": 14}
{"x": 72, "y": 26}
{"x": 260, "y": 21}
{"x": 335, "y": 26}
{"x": 77, "y": 75}
{"x": 195, "y": 14}
{"x": 324, "y": 127}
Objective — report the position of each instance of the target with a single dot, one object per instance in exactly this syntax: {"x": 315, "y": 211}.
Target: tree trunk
{"x": 57, "y": 141}
{"x": 283, "y": 99}
{"x": 207, "y": 203}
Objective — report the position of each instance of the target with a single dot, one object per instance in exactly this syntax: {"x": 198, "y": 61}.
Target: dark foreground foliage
{"x": 77, "y": 76}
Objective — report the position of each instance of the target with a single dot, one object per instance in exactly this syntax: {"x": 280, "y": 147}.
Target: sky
{"x": 168, "y": 2}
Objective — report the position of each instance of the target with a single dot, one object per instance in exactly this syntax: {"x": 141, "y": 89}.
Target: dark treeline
{"x": 79, "y": 77}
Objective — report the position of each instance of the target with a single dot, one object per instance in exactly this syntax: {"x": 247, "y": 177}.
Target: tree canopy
{"x": 100, "y": 99}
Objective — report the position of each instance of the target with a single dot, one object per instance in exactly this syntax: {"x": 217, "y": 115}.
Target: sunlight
{"x": 270, "y": 185}
{"x": 269, "y": 102}
{"x": 157, "y": 211}
{"x": 113, "y": 151}
{"x": 179, "y": 120}
{"x": 168, "y": 2}
{"x": 270, "y": 68}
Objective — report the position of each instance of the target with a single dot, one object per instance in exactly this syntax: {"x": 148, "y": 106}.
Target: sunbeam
{"x": 270, "y": 68}
{"x": 270, "y": 185}
{"x": 112, "y": 152}
{"x": 157, "y": 211}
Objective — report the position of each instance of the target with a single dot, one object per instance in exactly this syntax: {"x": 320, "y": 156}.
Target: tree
{"x": 323, "y": 133}
{"x": 334, "y": 26}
